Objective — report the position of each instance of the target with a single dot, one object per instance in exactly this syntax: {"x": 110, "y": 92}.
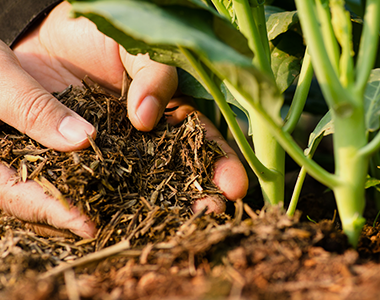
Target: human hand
{"x": 60, "y": 52}
{"x": 229, "y": 173}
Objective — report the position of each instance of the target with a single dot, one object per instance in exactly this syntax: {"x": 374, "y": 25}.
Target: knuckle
{"x": 33, "y": 108}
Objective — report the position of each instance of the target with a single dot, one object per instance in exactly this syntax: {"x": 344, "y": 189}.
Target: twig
{"x": 90, "y": 258}
{"x": 95, "y": 147}
{"x": 197, "y": 215}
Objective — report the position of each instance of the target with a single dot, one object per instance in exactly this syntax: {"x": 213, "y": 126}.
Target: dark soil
{"x": 153, "y": 247}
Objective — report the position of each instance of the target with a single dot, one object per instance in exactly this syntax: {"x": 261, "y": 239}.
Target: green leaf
{"x": 371, "y": 182}
{"x": 279, "y": 21}
{"x": 189, "y": 86}
{"x": 372, "y": 101}
{"x": 286, "y": 45}
{"x": 144, "y": 27}
{"x": 323, "y": 128}
{"x": 286, "y": 53}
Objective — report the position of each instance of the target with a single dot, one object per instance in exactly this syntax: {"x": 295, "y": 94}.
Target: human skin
{"x": 61, "y": 51}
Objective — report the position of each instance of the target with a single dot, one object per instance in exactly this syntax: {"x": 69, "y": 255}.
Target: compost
{"x": 138, "y": 188}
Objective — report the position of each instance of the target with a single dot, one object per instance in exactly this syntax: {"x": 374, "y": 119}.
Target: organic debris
{"x": 134, "y": 185}
{"x": 138, "y": 187}
{"x": 263, "y": 256}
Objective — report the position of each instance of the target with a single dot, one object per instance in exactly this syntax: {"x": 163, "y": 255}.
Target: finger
{"x": 26, "y": 106}
{"x": 152, "y": 88}
{"x": 27, "y": 202}
{"x": 229, "y": 173}
{"x": 214, "y": 204}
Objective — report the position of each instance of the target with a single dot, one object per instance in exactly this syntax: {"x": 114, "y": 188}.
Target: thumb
{"x": 26, "y": 106}
{"x": 152, "y": 87}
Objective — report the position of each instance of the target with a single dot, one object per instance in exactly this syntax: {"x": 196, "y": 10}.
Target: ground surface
{"x": 150, "y": 246}
{"x": 264, "y": 256}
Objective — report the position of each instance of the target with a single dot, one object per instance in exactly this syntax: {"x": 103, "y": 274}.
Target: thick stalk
{"x": 272, "y": 156}
{"x": 267, "y": 150}
{"x": 286, "y": 141}
{"x": 351, "y": 168}
{"x": 254, "y": 29}
{"x": 291, "y": 147}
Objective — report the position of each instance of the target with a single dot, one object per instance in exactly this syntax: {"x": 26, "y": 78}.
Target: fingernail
{"x": 148, "y": 112}
{"x": 74, "y": 130}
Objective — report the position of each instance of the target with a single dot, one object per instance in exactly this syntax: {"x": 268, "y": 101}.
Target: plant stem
{"x": 347, "y": 109}
{"x": 300, "y": 96}
{"x": 372, "y": 147}
{"x": 291, "y": 147}
{"x": 338, "y": 98}
{"x": 248, "y": 27}
{"x": 368, "y": 44}
{"x": 300, "y": 180}
{"x": 332, "y": 47}
{"x": 260, "y": 21}
{"x": 221, "y": 9}
{"x": 352, "y": 169}
{"x": 287, "y": 142}
{"x": 252, "y": 24}
{"x": 296, "y": 192}
{"x": 228, "y": 114}
{"x": 341, "y": 23}
{"x": 274, "y": 189}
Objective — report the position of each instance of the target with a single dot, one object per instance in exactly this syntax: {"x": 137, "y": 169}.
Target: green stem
{"x": 221, "y": 9}
{"x": 291, "y": 147}
{"x": 368, "y": 44}
{"x": 252, "y": 24}
{"x": 336, "y": 96}
{"x": 274, "y": 189}
{"x": 245, "y": 148}
{"x": 330, "y": 41}
{"x": 272, "y": 185}
{"x": 341, "y": 23}
{"x": 261, "y": 24}
{"x": 300, "y": 180}
{"x": 300, "y": 96}
{"x": 352, "y": 169}
{"x": 286, "y": 141}
{"x": 248, "y": 27}
{"x": 371, "y": 148}
{"x": 296, "y": 192}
